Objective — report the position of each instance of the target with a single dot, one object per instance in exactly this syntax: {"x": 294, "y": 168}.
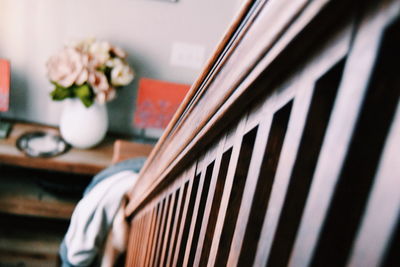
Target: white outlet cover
{"x": 187, "y": 55}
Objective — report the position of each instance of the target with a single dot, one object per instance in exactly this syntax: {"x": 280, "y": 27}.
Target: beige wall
{"x": 32, "y": 30}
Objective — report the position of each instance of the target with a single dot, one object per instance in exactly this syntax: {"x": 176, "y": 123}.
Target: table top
{"x": 79, "y": 161}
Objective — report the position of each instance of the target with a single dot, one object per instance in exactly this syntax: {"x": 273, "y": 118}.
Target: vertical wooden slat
{"x": 307, "y": 156}
{"x": 200, "y": 173}
{"x": 205, "y": 180}
{"x": 131, "y": 246}
{"x": 157, "y": 233}
{"x": 383, "y": 209}
{"x": 316, "y": 68}
{"x": 235, "y": 197}
{"x": 135, "y": 227}
{"x": 168, "y": 228}
{"x": 137, "y": 241}
{"x": 145, "y": 239}
{"x": 291, "y": 144}
{"x": 227, "y": 189}
{"x": 339, "y": 134}
{"x": 163, "y": 226}
{"x": 146, "y": 236}
{"x": 177, "y": 222}
{"x": 150, "y": 240}
{"x": 180, "y": 243}
{"x": 188, "y": 220}
{"x": 258, "y": 189}
{"x": 213, "y": 200}
{"x": 142, "y": 234}
{"x": 361, "y": 162}
{"x": 215, "y": 208}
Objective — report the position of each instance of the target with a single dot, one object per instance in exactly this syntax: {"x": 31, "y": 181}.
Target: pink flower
{"x": 100, "y": 51}
{"x": 67, "y": 68}
{"x": 117, "y": 51}
{"x": 98, "y": 81}
{"x": 87, "y": 63}
{"x": 106, "y": 96}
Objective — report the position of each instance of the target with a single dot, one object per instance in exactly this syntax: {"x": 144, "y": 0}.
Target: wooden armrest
{"x": 125, "y": 150}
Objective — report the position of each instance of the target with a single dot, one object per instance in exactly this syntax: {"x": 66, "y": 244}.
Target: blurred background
{"x": 155, "y": 33}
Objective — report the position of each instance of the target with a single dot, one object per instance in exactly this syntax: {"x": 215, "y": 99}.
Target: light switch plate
{"x": 187, "y": 55}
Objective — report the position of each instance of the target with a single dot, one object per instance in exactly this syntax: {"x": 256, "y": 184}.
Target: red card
{"x": 157, "y": 102}
{"x": 4, "y": 84}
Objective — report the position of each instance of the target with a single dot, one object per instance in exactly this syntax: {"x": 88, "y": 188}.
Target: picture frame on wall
{"x": 5, "y": 76}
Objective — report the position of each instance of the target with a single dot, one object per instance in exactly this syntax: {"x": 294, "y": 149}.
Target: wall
{"x": 31, "y": 31}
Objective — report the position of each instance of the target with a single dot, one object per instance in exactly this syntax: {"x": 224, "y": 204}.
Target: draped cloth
{"x": 92, "y": 220}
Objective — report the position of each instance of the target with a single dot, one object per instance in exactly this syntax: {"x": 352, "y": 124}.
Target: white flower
{"x": 121, "y": 74}
{"x": 106, "y": 96}
{"x": 67, "y": 67}
{"x": 84, "y": 45}
{"x": 118, "y": 51}
{"x": 112, "y": 62}
{"x": 98, "y": 64}
{"x": 98, "y": 81}
{"x": 101, "y": 51}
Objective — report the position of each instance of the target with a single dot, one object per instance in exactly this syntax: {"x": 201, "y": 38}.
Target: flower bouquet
{"x": 90, "y": 70}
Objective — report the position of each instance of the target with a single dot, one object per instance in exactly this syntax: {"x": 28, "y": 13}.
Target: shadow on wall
{"x": 19, "y": 98}
{"x": 121, "y": 109}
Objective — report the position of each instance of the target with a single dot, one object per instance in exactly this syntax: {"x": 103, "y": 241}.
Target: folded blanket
{"x": 95, "y": 213}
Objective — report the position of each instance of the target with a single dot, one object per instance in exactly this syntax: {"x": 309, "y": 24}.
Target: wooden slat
{"x": 199, "y": 210}
{"x": 161, "y": 234}
{"x": 151, "y": 245}
{"x": 261, "y": 159}
{"x": 156, "y": 233}
{"x": 132, "y": 242}
{"x": 286, "y": 163}
{"x": 364, "y": 151}
{"x": 356, "y": 75}
{"x": 227, "y": 189}
{"x": 168, "y": 228}
{"x": 145, "y": 240}
{"x": 137, "y": 242}
{"x": 151, "y": 234}
{"x": 183, "y": 239}
{"x": 190, "y": 174}
{"x": 383, "y": 209}
{"x": 215, "y": 179}
{"x": 318, "y": 117}
{"x": 177, "y": 222}
{"x": 142, "y": 234}
{"x": 130, "y": 248}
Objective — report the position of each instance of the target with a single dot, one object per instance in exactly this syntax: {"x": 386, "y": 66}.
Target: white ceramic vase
{"x": 83, "y": 127}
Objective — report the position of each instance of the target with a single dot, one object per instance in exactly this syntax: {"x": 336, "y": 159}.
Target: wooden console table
{"x": 78, "y": 161}
{"x": 75, "y": 164}
{"x": 30, "y": 213}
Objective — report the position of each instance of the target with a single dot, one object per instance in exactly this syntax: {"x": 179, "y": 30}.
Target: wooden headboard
{"x": 285, "y": 151}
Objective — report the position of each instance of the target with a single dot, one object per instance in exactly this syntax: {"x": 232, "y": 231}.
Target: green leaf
{"x": 60, "y": 93}
{"x": 85, "y": 94}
